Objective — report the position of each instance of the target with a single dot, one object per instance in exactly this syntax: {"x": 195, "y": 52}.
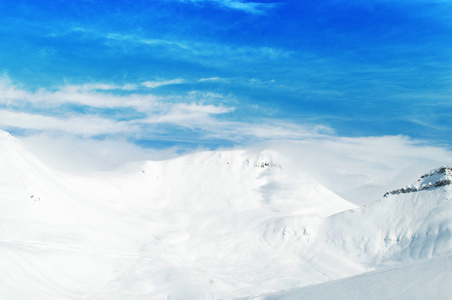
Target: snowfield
{"x": 419, "y": 280}
{"x": 213, "y": 225}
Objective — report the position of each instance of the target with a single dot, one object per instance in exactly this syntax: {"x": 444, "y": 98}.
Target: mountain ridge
{"x": 441, "y": 177}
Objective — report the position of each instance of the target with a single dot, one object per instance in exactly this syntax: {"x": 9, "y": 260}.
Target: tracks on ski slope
{"x": 136, "y": 258}
{"x": 48, "y": 246}
{"x": 121, "y": 274}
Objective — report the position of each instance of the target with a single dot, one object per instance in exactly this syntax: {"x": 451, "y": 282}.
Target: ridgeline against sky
{"x": 209, "y": 73}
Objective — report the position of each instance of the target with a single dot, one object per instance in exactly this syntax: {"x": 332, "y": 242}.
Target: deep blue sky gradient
{"x": 361, "y": 68}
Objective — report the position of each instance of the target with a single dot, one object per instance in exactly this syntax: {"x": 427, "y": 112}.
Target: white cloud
{"x": 208, "y": 109}
{"x": 258, "y": 82}
{"x": 180, "y": 111}
{"x": 93, "y": 95}
{"x": 154, "y": 110}
{"x": 248, "y": 7}
{"x": 154, "y": 84}
{"x": 85, "y": 125}
{"x": 80, "y": 155}
{"x": 139, "y": 40}
{"x": 192, "y": 116}
{"x": 268, "y": 130}
{"x": 211, "y": 79}
{"x": 10, "y": 93}
{"x": 89, "y": 87}
{"x": 189, "y": 50}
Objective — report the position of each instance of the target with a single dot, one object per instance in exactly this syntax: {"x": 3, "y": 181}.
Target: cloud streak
{"x": 155, "y": 84}
{"x": 203, "y": 116}
{"x": 182, "y": 48}
{"x": 85, "y": 126}
{"x": 92, "y": 95}
{"x": 256, "y": 8}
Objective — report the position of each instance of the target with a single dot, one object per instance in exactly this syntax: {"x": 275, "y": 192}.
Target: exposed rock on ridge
{"x": 435, "y": 178}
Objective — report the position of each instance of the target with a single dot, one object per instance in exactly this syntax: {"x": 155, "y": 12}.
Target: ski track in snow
{"x": 124, "y": 272}
{"x": 50, "y": 246}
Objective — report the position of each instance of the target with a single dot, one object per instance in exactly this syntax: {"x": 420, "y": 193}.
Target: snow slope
{"x": 218, "y": 225}
{"x": 406, "y": 236}
{"x": 399, "y": 227}
{"x": 203, "y": 225}
{"x": 419, "y": 280}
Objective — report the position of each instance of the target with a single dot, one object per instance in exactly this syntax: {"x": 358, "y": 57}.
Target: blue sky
{"x": 211, "y": 73}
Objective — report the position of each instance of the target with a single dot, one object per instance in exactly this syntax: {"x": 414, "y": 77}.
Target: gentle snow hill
{"x": 206, "y": 225}
{"x": 419, "y": 280}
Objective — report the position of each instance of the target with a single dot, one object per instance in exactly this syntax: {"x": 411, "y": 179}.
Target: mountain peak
{"x": 435, "y": 178}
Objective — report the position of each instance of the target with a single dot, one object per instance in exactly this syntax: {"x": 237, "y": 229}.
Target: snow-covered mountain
{"x": 218, "y": 224}
{"x": 198, "y": 225}
{"x": 406, "y": 237}
{"x": 400, "y": 227}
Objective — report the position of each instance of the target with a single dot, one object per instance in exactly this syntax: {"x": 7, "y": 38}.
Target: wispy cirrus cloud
{"x": 183, "y": 48}
{"x": 157, "y": 83}
{"x": 88, "y": 87}
{"x": 240, "y": 5}
{"x": 92, "y": 95}
{"x": 128, "y": 41}
{"x": 212, "y": 79}
{"x": 190, "y": 116}
{"x": 81, "y": 125}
